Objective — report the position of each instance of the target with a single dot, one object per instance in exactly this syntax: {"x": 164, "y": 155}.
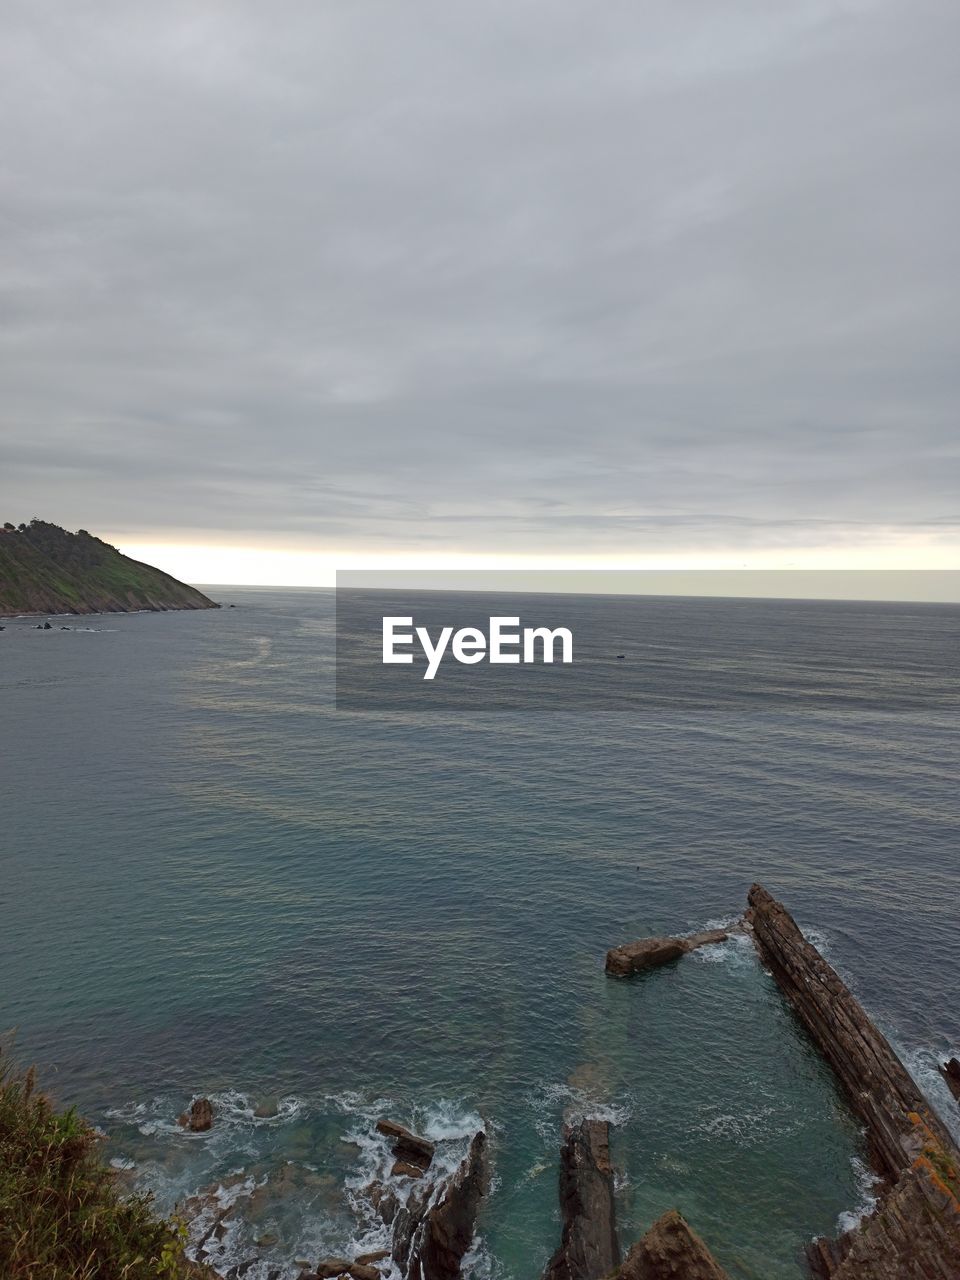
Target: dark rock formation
{"x": 915, "y": 1232}
{"x": 588, "y": 1241}
{"x": 411, "y": 1151}
{"x": 199, "y": 1118}
{"x": 649, "y": 953}
{"x": 378, "y": 1255}
{"x": 329, "y": 1267}
{"x": 449, "y": 1226}
{"x": 670, "y": 1250}
{"x": 950, "y": 1071}
{"x": 434, "y": 1229}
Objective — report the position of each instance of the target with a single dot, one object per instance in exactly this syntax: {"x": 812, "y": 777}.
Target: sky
{"x": 340, "y": 283}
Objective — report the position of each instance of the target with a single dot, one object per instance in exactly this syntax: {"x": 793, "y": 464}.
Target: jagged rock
{"x": 449, "y": 1226}
{"x": 588, "y": 1243}
{"x": 670, "y": 1250}
{"x": 199, "y": 1118}
{"x": 434, "y": 1228}
{"x": 329, "y": 1267}
{"x": 403, "y": 1169}
{"x": 408, "y": 1147}
{"x": 649, "y": 953}
{"x": 378, "y": 1255}
{"x": 384, "y": 1201}
{"x": 914, "y": 1234}
{"x": 950, "y": 1071}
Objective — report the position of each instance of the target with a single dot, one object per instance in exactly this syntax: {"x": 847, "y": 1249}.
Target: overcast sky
{"x": 500, "y": 276}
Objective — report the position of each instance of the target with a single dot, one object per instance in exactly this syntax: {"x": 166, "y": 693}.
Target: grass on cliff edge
{"x": 62, "y": 1216}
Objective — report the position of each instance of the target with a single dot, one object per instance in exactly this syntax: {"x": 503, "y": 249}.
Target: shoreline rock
{"x": 914, "y": 1233}
{"x": 588, "y": 1248}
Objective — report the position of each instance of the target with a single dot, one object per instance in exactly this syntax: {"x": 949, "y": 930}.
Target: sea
{"x": 216, "y": 881}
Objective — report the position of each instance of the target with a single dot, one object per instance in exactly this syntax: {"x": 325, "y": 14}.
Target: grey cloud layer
{"x": 506, "y": 274}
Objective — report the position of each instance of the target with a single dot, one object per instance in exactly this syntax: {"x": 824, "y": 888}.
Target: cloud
{"x": 530, "y": 275}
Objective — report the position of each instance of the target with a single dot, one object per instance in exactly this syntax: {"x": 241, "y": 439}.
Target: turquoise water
{"x": 214, "y": 882}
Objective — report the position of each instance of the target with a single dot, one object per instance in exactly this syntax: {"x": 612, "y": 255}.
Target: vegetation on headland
{"x": 45, "y": 569}
{"x": 62, "y": 1214}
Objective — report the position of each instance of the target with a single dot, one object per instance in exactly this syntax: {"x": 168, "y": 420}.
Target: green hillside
{"x": 45, "y": 569}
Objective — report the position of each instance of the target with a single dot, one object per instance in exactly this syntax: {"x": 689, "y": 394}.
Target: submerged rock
{"x": 670, "y": 1250}
{"x": 267, "y": 1108}
{"x": 588, "y": 1242}
{"x": 199, "y": 1118}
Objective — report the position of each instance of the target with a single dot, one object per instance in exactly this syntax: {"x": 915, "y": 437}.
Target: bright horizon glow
{"x": 225, "y": 565}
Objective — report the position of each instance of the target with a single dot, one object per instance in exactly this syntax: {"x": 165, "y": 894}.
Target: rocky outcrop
{"x": 199, "y": 1118}
{"x": 413, "y": 1153}
{"x": 950, "y": 1070}
{"x": 45, "y": 569}
{"x": 447, "y": 1232}
{"x": 915, "y": 1232}
{"x": 670, "y": 1250}
{"x": 588, "y": 1243}
{"x": 913, "y": 1235}
{"x": 434, "y": 1226}
{"x": 650, "y": 953}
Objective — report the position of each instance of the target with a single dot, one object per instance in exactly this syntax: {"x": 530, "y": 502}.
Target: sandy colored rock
{"x": 670, "y": 1250}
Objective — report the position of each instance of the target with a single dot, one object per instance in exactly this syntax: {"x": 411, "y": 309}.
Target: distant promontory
{"x": 45, "y": 569}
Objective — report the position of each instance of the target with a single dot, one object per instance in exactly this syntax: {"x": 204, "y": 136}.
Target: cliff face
{"x": 45, "y": 569}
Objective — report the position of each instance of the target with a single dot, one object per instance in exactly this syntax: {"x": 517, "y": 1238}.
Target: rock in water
{"x": 434, "y": 1229}
{"x": 449, "y": 1226}
{"x": 327, "y": 1268}
{"x": 670, "y": 1251}
{"x": 951, "y": 1073}
{"x": 914, "y": 1234}
{"x": 649, "y": 953}
{"x": 588, "y": 1242}
{"x": 199, "y": 1118}
{"x": 409, "y": 1148}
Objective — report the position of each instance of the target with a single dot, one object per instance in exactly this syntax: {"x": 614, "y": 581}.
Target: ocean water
{"x": 215, "y": 882}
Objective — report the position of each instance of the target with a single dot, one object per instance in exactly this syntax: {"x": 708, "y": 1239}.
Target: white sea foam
{"x": 867, "y": 1184}
{"x": 576, "y": 1105}
{"x": 923, "y": 1064}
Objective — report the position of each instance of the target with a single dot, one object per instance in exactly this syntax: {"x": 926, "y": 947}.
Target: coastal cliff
{"x": 914, "y": 1234}
{"x": 45, "y": 569}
